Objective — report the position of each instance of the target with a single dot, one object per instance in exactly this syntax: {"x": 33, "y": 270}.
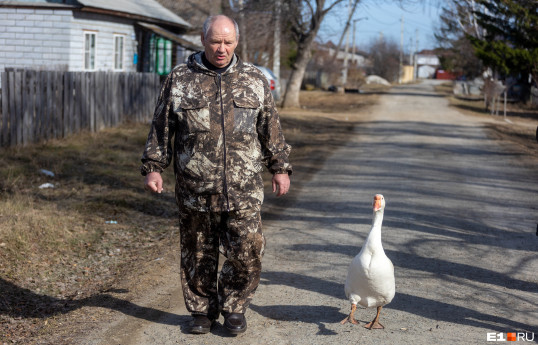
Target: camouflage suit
{"x": 224, "y": 128}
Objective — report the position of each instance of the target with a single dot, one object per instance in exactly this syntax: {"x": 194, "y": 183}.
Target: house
{"x": 326, "y": 68}
{"x": 92, "y": 35}
{"x": 354, "y": 56}
{"x": 427, "y": 62}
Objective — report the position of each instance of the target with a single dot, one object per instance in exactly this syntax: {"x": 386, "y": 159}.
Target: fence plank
{"x": 19, "y": 115}
{"x": 12, "y": 109}
{"x": 91, "y": 104}
{"x": 83, "y": 102}
{"x": 38, "y": 131}
{"x": 75, "y": 86}
{"x": 5, "y": 110}
{"x": 67, "y": 128}
{"x": 48, "y": 106}
{"x": 26, "y": 104}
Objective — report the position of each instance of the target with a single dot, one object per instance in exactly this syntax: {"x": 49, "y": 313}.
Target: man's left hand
{"x": 281, "y": 184}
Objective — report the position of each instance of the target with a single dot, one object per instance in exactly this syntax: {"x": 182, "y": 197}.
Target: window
{"x": 118, "y": 52}
{"x": 89, "y": 51}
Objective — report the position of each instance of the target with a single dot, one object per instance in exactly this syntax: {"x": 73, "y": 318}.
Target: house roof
{"x": 139, "y": 9}
{"x": 145, "y": 8}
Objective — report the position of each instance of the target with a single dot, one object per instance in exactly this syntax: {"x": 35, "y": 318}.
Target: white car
{"x": 274, "y": 83}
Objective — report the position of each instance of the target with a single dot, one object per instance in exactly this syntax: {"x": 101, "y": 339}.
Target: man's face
{"x": 220, "y": 42}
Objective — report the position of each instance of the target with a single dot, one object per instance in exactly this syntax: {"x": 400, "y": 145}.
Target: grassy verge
{"x": 55, "y": 243}
{"x": 519, "y": 126}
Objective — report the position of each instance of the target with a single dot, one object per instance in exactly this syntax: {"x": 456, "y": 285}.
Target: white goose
{"x": 370, "y": 278}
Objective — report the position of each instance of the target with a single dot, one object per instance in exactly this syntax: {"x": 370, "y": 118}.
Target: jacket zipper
{"x": 224, "y": 144}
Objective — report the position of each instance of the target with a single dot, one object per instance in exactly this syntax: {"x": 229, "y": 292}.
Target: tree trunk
{"x": 304, "y": 53}
{"x": 293, "y": 88}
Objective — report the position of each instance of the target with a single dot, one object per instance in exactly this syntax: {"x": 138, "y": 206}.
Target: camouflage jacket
{"x": 224, "y": 128}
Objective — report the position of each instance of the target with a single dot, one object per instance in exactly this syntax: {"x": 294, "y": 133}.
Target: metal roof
{"x": 140, "y": 9}
{"x": 145, "y": 8}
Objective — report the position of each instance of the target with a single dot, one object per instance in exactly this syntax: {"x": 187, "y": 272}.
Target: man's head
{"x": 220, "y": 37}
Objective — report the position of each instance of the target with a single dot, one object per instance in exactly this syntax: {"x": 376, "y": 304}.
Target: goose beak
{"x": 377, "y": 205}
{"x": 378, "y": 202}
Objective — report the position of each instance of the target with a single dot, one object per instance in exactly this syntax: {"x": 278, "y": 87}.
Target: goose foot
{"x": 351, "y": 316}
{"x": 374, "y": 325}
{"x": 350, "y": 319}
{"x": 375, "y": 322}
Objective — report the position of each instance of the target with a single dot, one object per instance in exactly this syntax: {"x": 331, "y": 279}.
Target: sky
{"x": 376, "y": 17}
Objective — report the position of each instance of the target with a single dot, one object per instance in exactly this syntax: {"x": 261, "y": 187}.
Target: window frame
{"x": 89, "y": 53}
{"x": 119, "y": 55}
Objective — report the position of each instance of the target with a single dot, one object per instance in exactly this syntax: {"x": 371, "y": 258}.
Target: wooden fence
{"x": 42, "y": 105}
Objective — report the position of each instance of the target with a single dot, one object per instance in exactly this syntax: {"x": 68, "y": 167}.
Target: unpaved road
{"x": 460, "y": 228}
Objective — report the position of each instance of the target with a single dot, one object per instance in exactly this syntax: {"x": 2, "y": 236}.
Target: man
{"x": 221, "y": 116}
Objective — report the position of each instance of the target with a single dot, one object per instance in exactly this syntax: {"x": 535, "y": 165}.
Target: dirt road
{"x": 460, "y": 228}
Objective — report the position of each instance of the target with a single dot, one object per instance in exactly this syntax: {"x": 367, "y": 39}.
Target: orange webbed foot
{"x": 374, "y": 325}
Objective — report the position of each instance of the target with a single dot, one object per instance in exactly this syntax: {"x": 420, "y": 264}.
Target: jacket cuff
{"x": 282, "y": 170}
{"x": 148, "y": 168}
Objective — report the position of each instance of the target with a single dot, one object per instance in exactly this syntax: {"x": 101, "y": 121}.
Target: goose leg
{"x": 351, "y": 316}
{"x": 375, "y": 322}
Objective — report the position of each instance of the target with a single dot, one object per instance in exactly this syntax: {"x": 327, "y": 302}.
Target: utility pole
{"x": 401, "y": 52}
{"x": 353, "y": 39}
{"x": 411, "y": 51}
{"x": 415, "y": 66}
{"x": 276, "y": 40}
{"x": 344, "y": 71}
{"x": 346, "y": 28}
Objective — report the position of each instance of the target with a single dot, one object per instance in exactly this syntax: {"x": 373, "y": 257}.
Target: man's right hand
{"x": 154, "y": 182}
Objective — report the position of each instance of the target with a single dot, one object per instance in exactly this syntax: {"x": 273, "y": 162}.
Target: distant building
{"x": 92, "y": 35}
{"x": 427, "y": 63}
{"x": 325, "y": 69}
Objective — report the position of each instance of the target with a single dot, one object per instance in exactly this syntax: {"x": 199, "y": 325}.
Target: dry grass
{"x": 520, "y": 125}
{"x": 55, "y": 244}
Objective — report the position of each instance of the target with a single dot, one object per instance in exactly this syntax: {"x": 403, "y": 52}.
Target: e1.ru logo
{"x": 513, "y": 336}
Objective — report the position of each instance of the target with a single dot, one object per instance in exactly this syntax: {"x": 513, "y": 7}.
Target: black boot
{"x": 200, "y": 324}
{"x": 235, "y": 323}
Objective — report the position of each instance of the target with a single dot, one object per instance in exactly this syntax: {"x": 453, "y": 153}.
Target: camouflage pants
{"x": 239, "y": 237}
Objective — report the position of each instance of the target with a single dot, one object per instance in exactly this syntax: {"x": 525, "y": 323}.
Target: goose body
{"x": 370, "y": 280}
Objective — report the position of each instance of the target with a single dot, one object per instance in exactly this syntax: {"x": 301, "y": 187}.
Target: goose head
{"x": 379, "y": 203}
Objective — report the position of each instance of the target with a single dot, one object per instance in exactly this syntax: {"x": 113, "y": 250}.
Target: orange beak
{"x": 377, "y": 202}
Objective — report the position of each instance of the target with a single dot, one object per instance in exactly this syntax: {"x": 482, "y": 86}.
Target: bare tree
{"x": 384, "y": 55}
{"x": 305, "y": 18}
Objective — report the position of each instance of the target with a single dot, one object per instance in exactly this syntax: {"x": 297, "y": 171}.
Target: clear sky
{"x": 420, "y": 18}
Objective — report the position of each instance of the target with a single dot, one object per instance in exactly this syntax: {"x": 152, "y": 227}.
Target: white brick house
{"x": 91, "y": 35}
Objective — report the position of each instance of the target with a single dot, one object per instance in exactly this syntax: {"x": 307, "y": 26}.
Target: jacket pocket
{"x": 194, "y": 113}
{"x": 245, "y": 115}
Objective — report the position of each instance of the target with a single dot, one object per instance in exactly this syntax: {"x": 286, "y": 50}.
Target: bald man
{"x": 219, "y": 114}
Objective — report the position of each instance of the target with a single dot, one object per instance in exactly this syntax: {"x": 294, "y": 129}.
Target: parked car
{"x": 274, "y": 83}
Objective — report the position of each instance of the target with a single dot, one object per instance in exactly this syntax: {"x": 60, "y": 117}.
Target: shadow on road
{"x": 17, "y": 302}
{"x": 420, "y": 306}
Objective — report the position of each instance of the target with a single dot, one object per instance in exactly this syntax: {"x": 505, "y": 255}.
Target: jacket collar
{"x": 195, "y": 61}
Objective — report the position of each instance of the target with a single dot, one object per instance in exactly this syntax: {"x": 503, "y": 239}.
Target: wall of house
{"x": 36, "y": 38}
{"x": 53, "y": 39}
{"x": 106, "y": 28}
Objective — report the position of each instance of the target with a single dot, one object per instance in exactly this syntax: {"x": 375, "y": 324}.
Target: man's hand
{"x": 154, "y": 182}
{"x": 281, "y": 184}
